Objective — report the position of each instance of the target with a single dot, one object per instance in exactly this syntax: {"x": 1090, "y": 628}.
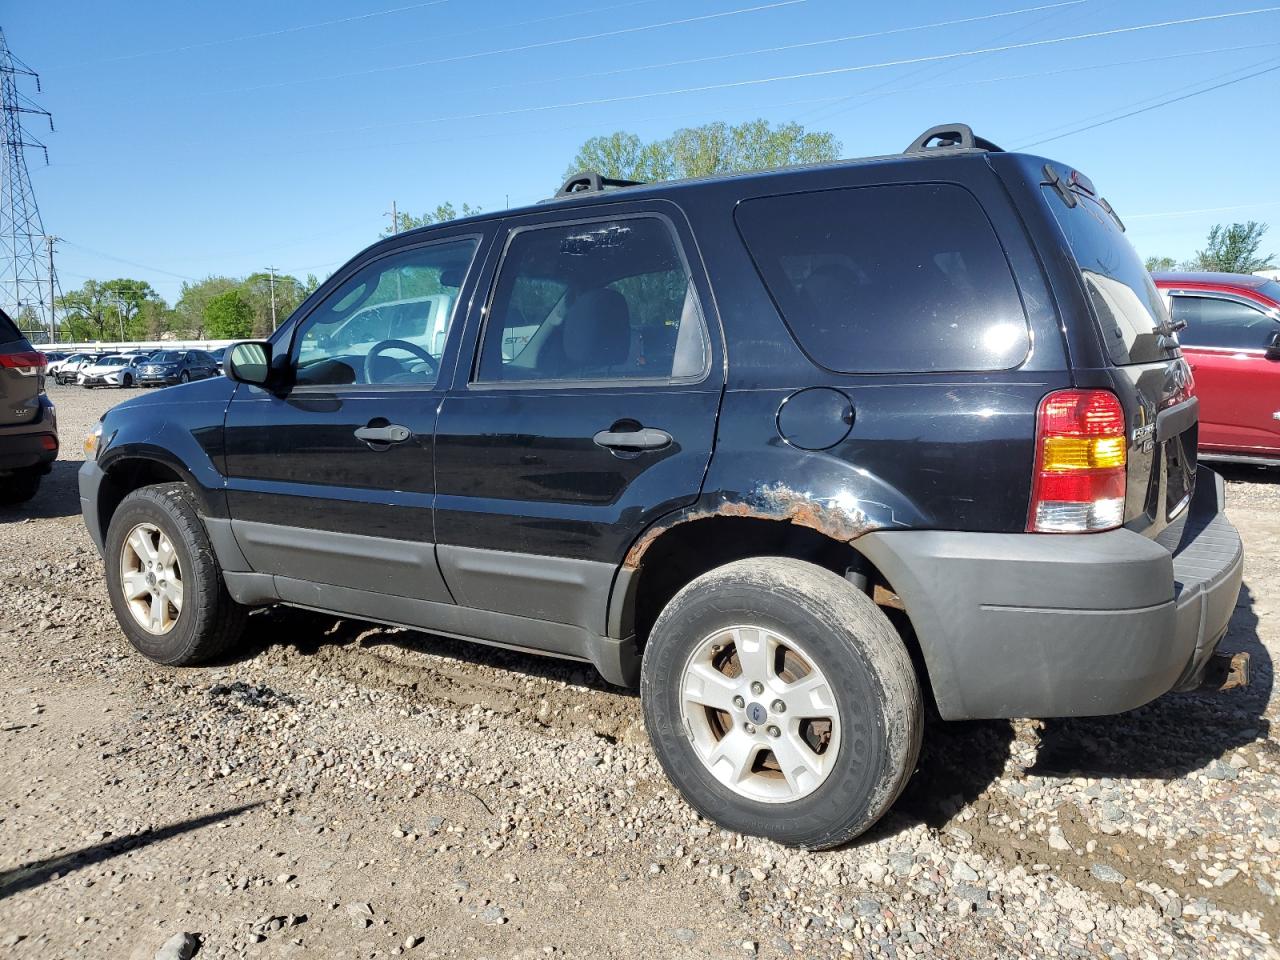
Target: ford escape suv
{"x": 792, "y": 451}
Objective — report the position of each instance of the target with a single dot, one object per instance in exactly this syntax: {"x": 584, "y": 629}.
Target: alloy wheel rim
{"x": 151, "y": 578}
{"x": 760, "y": 714}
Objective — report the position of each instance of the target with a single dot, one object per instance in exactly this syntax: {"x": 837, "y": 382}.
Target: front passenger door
{"x": 331, "y": 480}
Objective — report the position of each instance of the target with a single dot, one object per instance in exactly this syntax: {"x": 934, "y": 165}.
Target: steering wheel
{"x": 370, "y": 360}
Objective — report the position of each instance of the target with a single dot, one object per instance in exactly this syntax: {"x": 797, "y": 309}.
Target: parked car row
{"x": 146, "y": 369}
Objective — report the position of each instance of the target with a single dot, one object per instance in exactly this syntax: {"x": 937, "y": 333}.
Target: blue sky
{"x": 210, "y": 138}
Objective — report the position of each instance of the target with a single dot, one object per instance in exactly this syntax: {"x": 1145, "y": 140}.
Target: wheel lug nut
{"x": 778, "y": 706}
{"x": 774, "y": 731}
{"x": 757, "y": 688}
{"x": 749, "y": 727}
{"x": 739, "y": 702}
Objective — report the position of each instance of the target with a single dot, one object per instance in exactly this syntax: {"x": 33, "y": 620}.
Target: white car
{"x": 120, "y": 370}
{"x": 64, "y": 371}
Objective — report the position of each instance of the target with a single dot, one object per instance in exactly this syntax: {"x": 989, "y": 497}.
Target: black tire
{"x": 126, "y": 381}
{"x": 854, "y": 645}
{"x": 210, "y": 622}
{"x": 184, "y": 377}
{"x": 20, "y": 486}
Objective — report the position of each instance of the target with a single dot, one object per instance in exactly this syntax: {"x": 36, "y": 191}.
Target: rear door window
{"x": 599, "y": 301}
{"x": 898, "y": 278}
{"x": 1219, "y": 322}
{"x": 1129, "y": 310}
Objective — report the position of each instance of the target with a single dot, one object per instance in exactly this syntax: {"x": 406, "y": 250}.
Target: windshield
{"x": 166, "y": 356}
{"x": 113, "y": 362}
{"x": 1271, "y": 289}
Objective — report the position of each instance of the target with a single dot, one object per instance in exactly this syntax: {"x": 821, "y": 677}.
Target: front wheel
{"x": 781, "y": 702}
{"x": 126, "y": 381}
{"x": 164, "y": 581}
{"x": 184, "y": 377}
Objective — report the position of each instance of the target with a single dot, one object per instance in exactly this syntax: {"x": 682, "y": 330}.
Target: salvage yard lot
{"x": 348, "y": 790}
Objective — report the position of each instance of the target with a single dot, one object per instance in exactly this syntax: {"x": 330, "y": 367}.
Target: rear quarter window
{"x": 9, "y": 332}
{"x": 1130, "y": 312}
{"x": 902, "y": 278}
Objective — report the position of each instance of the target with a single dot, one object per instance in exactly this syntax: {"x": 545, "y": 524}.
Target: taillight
{"x": 28, "y": 363}
{"x": 1080, "y": 463}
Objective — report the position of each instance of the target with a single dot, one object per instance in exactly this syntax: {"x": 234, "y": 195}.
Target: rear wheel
{"x": 20, "y": 486}
{"x": 164, "y": 581}
{"x": 781, "y": 702}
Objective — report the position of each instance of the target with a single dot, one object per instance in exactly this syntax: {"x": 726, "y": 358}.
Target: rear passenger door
{"x": 589, "y": 410}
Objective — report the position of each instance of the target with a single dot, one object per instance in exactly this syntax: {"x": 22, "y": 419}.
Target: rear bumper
{"x": 1031, "y": 625}
{"x": 33, "y": 444}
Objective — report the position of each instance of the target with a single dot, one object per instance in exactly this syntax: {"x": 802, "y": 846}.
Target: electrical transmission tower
{"x": 28, "y": 284}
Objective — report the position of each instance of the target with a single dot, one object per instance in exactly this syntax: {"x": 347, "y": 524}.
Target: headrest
{"x": 597, "y": 329}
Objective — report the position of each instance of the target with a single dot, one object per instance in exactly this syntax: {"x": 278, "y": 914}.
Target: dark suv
{"x": 28, "y": 425}
{"x": 176, "y": 366}
{"x": 793, "y": 451}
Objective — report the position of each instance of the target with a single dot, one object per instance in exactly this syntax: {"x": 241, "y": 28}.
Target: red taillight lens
{"x": 1081, "y": 452}
{"x": 28, "y": 363}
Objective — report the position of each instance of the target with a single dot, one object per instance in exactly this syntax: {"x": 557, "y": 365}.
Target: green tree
{"x": 194, "y": 299}
{"x": 705, "y": 150}
{"x": 107, "y": 310}
{"x": 1234, "y": 249}
{"x": 229, "y": 316}
{"x": 441, "y": 214}
{"x": 257, "y": 290}
{"x": 1160, "y": 263}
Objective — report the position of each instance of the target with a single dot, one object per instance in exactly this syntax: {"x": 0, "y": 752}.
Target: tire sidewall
{"x": 846, "y": 801}
{"x": 176, "y": 645}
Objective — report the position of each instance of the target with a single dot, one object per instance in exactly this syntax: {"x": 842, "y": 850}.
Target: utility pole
{"x": 395, "y": 218}
{"x": 49, "y": 241}
{"x": 272, "y": 271}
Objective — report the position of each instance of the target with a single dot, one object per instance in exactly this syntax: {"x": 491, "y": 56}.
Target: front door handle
{"x": 645, "y": 439}
{"x": 391, "y": 433}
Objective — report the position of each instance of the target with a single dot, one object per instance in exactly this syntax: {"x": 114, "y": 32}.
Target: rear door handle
{"x": 391, "y": 433}
{"x": 645, "y": 439}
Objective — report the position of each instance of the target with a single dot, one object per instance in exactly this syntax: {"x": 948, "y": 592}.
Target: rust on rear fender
{"x": 840, "y": 517}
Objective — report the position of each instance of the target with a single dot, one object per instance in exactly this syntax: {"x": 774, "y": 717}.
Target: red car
{"x": 1230, "y": 335}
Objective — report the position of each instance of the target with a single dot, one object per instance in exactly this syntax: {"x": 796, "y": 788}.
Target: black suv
{"x": 793, "y": 451}
{"x": 28, "y": 425}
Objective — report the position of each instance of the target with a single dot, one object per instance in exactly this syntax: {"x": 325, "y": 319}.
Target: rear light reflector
{"x": 1079, "y": 482}
{"x": 27, "y": 364}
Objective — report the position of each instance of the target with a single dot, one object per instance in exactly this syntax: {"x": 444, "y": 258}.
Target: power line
{"x": 264, "y": 35}
{"x": 1154, "y": 106}
{"x": 542, "y": 44}
{"x": 1186, "y": 213}
{"x": 131, "y": 263}
{"x": 759, "y": 51}
{"x": 832, "y": 71}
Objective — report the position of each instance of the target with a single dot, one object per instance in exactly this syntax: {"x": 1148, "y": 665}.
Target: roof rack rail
{"x": 590, "y": 181}
{"x": 951, "y": 136}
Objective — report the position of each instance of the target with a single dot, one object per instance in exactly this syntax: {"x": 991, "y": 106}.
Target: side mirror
{"x": 249, "y": 362}
{"x": 1273, "y": 346}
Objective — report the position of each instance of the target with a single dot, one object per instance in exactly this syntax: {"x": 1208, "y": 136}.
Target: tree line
{"x": 215, "y": 308}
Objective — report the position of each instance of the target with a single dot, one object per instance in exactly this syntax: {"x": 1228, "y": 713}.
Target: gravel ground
{"x": 348, "y": 790}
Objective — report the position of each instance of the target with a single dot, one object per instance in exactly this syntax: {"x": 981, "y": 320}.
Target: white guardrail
{"x": 105, "y": 346}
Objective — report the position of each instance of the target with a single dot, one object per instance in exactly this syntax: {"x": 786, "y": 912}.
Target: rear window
{"x": 903, "y": 278}
{"x": 1130, "y": 311}
{"x": 9, "y": 331}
